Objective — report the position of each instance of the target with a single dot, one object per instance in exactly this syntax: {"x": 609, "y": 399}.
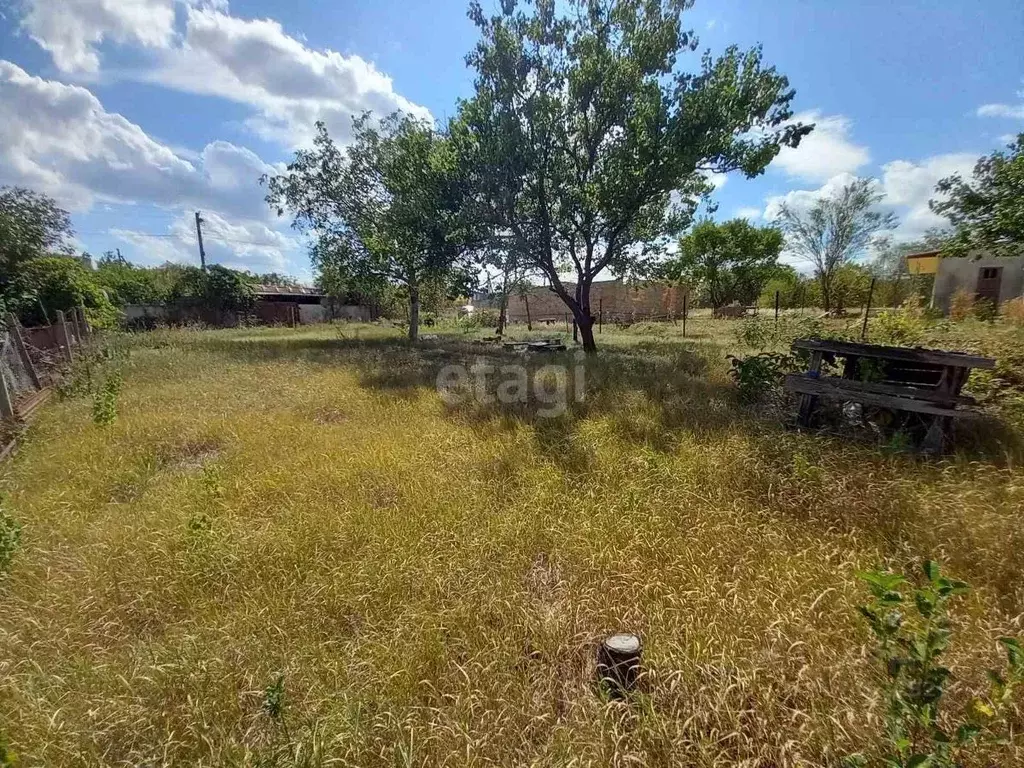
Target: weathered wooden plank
{"x": 808, "y": 401}
{"x": 903, "y": 354}
{"x": 898, "y": 390}
{"x": 825, "y": 388}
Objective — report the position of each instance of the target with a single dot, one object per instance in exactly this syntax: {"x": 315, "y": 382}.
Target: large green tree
{"x": 592, "y": 145}
{"x": 731, "y": 261}
{"x": 31, "y": 225}
{"x": 836, "y": 229}
{"x": 389, "y": 206}
{"x": 987, "y": 211}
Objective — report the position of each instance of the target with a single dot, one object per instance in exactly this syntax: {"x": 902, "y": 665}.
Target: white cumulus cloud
{"x": 908, "y": 186}
{"x": 59, "y": 139}
{"x": 71, "y": 30}
{"x": 826, "y": 152}
{"x": 254, "y": 62}
{"x": 290, "y": 85}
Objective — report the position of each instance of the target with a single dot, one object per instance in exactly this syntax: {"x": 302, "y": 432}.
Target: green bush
{"x": 904, "y": 326}
{"x": 758, "y": 375}
{"x": 60, "y": 283}
{"x": 912, "y": 632}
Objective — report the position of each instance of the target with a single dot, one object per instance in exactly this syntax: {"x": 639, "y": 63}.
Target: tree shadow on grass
{"x": 653, "y": 395}
{"x": 650, "y": 391}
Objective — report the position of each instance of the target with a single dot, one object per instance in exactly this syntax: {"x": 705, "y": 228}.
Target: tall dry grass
{"x": 431, "y": 580}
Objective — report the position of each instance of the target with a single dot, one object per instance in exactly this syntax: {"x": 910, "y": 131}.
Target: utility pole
{"x": 199, "y": 234}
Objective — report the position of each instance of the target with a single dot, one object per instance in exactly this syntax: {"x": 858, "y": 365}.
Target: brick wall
{"x": 618, "y": 301}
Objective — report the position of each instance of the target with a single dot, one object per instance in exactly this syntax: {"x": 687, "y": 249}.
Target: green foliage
{"x": 59, "y": 283}
{"x": 987, "y": 211}
{"x": 590, "y": 144}
{"x": 756, "y": 332}
{"x": 388, "y": 208}
{"x": 128, "y": 284}
{"x": 10, "y": 538}
{"x": 757, "y": 375}
{"x": 273, "y": 699}
{"x": 31, "y": 225}
{"x": 104, "y": 402}
{"x": 731, "y": 261}
{"x": 833, "y": 231}
{"x": 218, "y": 288}
{"x": 904, "y": 326}
{"x": 911, "y": 627}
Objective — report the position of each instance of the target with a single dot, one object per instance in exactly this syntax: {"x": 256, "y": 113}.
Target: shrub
{"x": 912, "y": 632}
{"x": 1013, "y": 311}
{"x": 961, "y": 306}
{"x": 104, "y": 402}
{"x": 901, "y": 327}
{"x": 755, "y": 332}
{"x": 986, "y": 310}
{"x": 757, "y": 375}
{"x": 60, "y": 282}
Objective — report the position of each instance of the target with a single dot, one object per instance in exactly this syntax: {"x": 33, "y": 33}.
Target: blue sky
{"x": 135, "y": 113}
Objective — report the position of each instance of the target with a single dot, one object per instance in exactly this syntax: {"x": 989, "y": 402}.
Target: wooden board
{"x": 827, "y": 388}
{"x": 903, "y": 354}
{"x": 896, "y": 390}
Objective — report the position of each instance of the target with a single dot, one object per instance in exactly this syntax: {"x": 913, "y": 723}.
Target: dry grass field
{"x": 431, "y": 580}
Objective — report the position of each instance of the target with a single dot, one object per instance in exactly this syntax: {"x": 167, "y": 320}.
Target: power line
{"x": 186, "y": 238}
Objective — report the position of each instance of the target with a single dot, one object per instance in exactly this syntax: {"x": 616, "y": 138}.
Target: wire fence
{"x": 32, "y": 360}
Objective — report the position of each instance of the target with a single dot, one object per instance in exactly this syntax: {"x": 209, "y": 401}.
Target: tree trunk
{"x": 503, "y": 311}
{"x": 586, "y": 330}
{"x": 526, "y": 303}
{"x": 414, "y": 312}
{"x": 502, "y": 315}
{"x": 826, "y": 293}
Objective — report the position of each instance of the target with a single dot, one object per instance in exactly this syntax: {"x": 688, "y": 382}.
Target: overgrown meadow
{"x": 282, "y": 547}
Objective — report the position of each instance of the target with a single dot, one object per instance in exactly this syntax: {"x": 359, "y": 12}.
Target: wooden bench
{"x": 926, "y": 381}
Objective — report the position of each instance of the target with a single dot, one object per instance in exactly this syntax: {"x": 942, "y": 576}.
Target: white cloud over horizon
{"x": 253, "y": 62}
{"x": 59, "y": 139}
{"x": 824, "y": 153}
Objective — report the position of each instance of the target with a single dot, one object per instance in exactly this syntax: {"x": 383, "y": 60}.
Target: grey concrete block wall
{"x": 954, "y": 274}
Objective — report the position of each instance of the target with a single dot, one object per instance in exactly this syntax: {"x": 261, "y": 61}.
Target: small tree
{"x": 730, "y": 261}
{"x": 389, "y": 206}
{"x": 835, "y": 230}
{"x": 988, "y": 211}
{"x": 591, "y": 147}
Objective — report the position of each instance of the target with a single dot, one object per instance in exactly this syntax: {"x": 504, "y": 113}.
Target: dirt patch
{"x": 329, "y": 415}
{"x": 190, "y": 455}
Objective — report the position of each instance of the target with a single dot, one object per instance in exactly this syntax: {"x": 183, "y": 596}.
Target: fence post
{"x": 14, "y": 328}
{"x": 685, "y": 297}
{"x": 867, "y": 310}
{"x": 63, "y": 338}
{"x": 6, "y": 404}
{"x": 76, "y": 326}
{"x": 600, "y": 315}
{"x": 86, "y": 330}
